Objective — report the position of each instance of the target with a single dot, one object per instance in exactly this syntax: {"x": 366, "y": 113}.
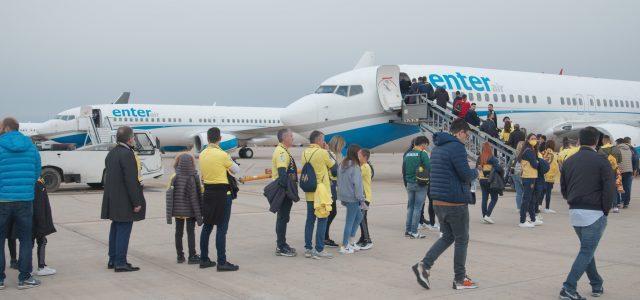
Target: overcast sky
{"x": 57, "y": 54}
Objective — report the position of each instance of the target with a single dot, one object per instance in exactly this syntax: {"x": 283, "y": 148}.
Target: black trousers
{"x": 334, "y": 208}
{"x": 364, "y": 226}
{"x": 432, "y": 214}
{"x": 42, "y": 244}
{"x": 191, "y": 236}
{"x": 282, "y": 218}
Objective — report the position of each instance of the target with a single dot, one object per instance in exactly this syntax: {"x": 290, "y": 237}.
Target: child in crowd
{"x": 365, "y": 242}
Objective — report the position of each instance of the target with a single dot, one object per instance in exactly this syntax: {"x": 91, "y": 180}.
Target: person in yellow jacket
{"x": 318, "y": 157}
{"x": 506, "y": 131}
{"x": 550, "y": 177}
{"x": 365, "y": 242}
{"x": 566, "y": 152}
{"x": 528, "y": 159}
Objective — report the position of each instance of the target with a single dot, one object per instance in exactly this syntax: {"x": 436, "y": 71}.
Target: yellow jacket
{"x": 566, "y": 153}
{"x": 504, "y": 135}
{"x": 322, "y": 201}
{"x": 554, "y": 169}
{"x": 321, "y": 162}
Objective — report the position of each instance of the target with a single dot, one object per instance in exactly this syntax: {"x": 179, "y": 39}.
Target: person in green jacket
{"x": 416, "y": 189}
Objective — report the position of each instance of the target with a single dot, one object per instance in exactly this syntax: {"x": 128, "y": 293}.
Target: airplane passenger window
{"x": 562, "y": 100}
{"x": 574, "y": 101}
{"x": 355, "y": 90}
{"x": 511, "y": 99}
{"x": 326, "y": 89}
{"x": 495, "y": 97}
{"x": 604, "y": 101}
{"x": 470, "y": 96}
{"x": 343, "y": 90}
{"x": 504, "y": 97}
{"x": 591, "y": 101}
{"x": 580, "y": 101}
{"x": 486, "y": 97}
{"x": 598, "y": 102}
{"x": 626, "y": 103}
{"x": 534, "y": 99}
{"x": 616, "y": 102}
{"x": 548, "y": 100}
{"x": 479, "y": 97}
{"x": 526, "y": 98}
{"x": 519, "y": 98}
{"x": 610, "y": 103}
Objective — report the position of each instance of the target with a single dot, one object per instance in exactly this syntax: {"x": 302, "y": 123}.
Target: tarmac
{"x": 507, "y": 262}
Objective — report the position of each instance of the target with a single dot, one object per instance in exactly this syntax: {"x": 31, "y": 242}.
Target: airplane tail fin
{"x": 367, "y": 60}
{"x": 124, "y": 98}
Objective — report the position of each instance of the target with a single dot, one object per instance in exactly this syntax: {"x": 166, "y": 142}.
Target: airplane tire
{"x": 248, "y": 153}
{"x": 241, "y": 152}
{"x": 52, "y": 179}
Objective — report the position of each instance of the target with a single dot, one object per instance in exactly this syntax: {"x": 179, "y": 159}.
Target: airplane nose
{"x": 300, "y": 112}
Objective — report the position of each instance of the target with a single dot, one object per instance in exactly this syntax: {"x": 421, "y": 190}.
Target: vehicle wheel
{"x": 248, "y": 153}
{"x": 52, "y": 179}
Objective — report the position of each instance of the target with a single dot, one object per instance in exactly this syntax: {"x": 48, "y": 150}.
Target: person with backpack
{"x": 416, "y": 167}
{"x": 183, "y": 204}
{"x": 351, "y": 195}
{"x": 489, "y": 168}
{"x": 450, "y": 182}
{"x": 550, "y": 177}
{"x": 336, "y": 144}
{"x": 516, "y": 176}
{"x": 315, "y": 182}
{"x": 627, "y": 168}
{"x": 528, "y": 158}
{"x": 365, "y": 242}
{"x": 216, "y": 166}
{"x": 614, "y": 157}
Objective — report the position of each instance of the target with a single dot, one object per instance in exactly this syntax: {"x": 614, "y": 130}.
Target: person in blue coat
{"x": 451, "y": 180}
{"x": 19, "y": 170}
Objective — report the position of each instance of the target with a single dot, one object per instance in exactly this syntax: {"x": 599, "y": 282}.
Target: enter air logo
{"x": 460, "y": 81}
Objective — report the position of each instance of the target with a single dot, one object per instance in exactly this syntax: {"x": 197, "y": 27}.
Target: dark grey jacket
{"x": 183, "y": 200}
{"x": 122, "y": 190}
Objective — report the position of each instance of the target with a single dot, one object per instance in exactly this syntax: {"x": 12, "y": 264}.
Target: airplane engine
{"x": 228, "y": 142}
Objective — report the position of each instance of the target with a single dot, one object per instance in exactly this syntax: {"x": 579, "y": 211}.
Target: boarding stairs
{"x": 432, "y": 118}
{"x": 97, "y": 135}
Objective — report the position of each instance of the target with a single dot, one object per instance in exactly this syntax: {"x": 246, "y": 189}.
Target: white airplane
{"x": 177, "y": 127}
{"x": 363, "y": 105}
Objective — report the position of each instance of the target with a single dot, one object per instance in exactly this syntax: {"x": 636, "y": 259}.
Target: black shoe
{"x": 194, "y": 260}
{"x": 330, "y": 243}
{"x": 422, "y": 275}
{"x": 625, "y": 206}
{"x": 110, "y": 265}
{"x": 597, "y": 293}
{"x": 207, "y": 263}
{"x": 227, "y": 267}
{"x": 407, "y": 234}
{"x": 28, "y": 283}
{"x": 180, "y": 259}
{"x": 126, "y": 268}
{"x": 564, "y": 295}
{"x": 13, "y": 264}
{"x": 286, "y": 251}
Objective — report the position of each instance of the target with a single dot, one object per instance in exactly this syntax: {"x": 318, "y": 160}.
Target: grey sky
{"x": 58, "y": 54}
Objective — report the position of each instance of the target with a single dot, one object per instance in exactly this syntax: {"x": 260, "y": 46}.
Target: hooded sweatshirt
{"x": 19, "y": 167}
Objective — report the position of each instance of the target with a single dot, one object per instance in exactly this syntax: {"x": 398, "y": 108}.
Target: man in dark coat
{"x": 442, "y": 97}
{"x": 516, "y": 136}
{"x": 489, "y": 127}
{"x": 123, "y": 201}
{"x": 472, "y": 116}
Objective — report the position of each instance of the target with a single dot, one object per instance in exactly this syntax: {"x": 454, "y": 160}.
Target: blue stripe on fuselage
{"x": 77, "y": 139}
{"x": 376, "y": 135}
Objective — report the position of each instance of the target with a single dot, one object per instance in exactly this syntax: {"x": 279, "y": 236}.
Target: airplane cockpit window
{"x": 343, "y": 90}
{"x": 326, "y": 89}
{"x": 355, "y": 90}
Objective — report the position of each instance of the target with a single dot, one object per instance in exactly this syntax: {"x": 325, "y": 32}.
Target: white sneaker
{"x": 526, "y": 225}
{"x": 538, "y": 222}
{"x": 489, "y": 220}
{"x": 616, "y": 210}
{"x": 46, "y": 271}
{"x": 323, "y": 254}
{"x": 539, "y": 217}
{"x": 441, "y": 234}
{"x": 423, "y": 226}
{"x": 417, "y": 236}
{"x": 484, "y": 221}
{"x": 367, "y": 246}
{"x": 435, "y": 227}
{"x": 345, "y": 250}
{"x": 549, "y": 211}
{"x": 355, "y": 247}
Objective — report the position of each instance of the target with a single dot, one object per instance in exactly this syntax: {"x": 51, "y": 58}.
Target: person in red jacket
{"x": 461, "y": 107}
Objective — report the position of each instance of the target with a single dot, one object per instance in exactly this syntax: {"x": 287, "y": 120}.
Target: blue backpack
{"x": 308, "y": 180}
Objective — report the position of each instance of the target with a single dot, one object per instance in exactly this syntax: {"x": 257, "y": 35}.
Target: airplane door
{"x": 388, "y": 85}
{"x": 590, "y": 101}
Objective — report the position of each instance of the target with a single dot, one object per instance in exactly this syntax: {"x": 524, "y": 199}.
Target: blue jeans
{"x": 589, "y": 237}
{"x": 528, "y": 203}
{"x": 119, "y": 235}
{"x": 547, "y": 194}
{"x": 20, "y": 213}
{"x": 221, "y": 235}
{"x": 627, "y": 179}
{"x": 417, "y": 195}
{"x": 487, "y": 210}
{"x": 352, "y": 223}
{"x": 517, "y": 184}
{"x": 454, "y": 225}
{"x": 308, "y": 229}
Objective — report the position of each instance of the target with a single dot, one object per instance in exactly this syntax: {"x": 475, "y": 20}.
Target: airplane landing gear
{"x": 245, "y": 152}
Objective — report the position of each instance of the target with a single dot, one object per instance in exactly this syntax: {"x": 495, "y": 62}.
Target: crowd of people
{"x": 595, "y": 177}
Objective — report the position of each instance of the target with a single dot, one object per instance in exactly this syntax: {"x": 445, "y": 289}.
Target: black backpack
{"x": 422, "y": 173}
{"x": 308, "y": 180}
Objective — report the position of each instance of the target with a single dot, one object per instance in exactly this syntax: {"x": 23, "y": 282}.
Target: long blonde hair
{"x": 336, "y": 144}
